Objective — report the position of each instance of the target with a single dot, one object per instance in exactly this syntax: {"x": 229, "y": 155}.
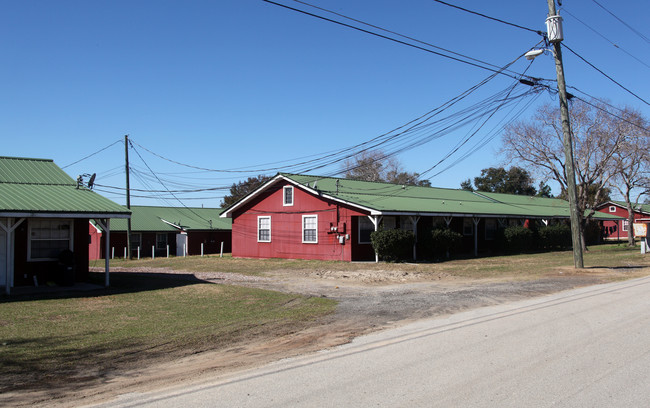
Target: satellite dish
{"x": 91, "y": 182}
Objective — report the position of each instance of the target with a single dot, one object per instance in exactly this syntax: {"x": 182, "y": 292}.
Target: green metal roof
{"x": 38, "y": 186}
{"x": 645, "y": 208}
{"x": 159, "y": 219}
{"x": 385, "y": 198}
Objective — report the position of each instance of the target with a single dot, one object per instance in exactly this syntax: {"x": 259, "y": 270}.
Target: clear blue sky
{"x": 240, "y": 83}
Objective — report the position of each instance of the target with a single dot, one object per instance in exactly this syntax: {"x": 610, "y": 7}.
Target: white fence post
{"x": 153, "y": 252}
{"x": 201, "y": 248}
{"x": 184, "y": 250}
{"x": 167, "y": 251}
{"x": 113, "y": 253}
{"x": 138, "y": 252}
{"x": 124, "y": 252}
{"x": 221, "y": 254}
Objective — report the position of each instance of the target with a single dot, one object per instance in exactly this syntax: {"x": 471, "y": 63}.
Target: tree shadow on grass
{"x": 120, "y": 282}
{"x": 66, "y": 367}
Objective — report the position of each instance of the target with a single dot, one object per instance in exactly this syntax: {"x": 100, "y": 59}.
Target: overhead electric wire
{"x": 623, "y": 22}
{"x": 605, "y": 38}
{"x": 607, "y": 76}
{"x": 161, "y": 183}
{"x": 491, "y": 18}
{"x": 92, "y": 154}
{"x": 390, "y": 38}
{"x": 400, "y": 35}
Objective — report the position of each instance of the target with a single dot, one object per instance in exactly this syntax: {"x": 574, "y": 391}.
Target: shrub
{"x": 393, "y": 245}
{"x": 555, "y": 237}
{"x": 519, "y": 239}
{"x": 445, "y": 241}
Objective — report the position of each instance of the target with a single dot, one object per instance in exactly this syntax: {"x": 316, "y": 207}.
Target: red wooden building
{"x": 617, "y": 229}
{"x": 312, "y": 217}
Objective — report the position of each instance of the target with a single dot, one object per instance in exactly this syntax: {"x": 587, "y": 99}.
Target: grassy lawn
{"x": 72, "y": 339}
{"x": 59, "y": 339}
{"x": 515, "y": 266}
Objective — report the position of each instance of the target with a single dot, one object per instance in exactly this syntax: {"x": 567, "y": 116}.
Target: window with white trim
{"x": 626, "y": 225}
{"x": 287, "y": 195}
{"x": 264, "y": 229}
{"x": 161, "y": 241}
{"x": 490, "y": 228}
{"x": 310, "y": 229}
{"x": 612, "y": 208}
{"x": 366, "y": 227}
{"x": 48, "y": 238}
{"x": 468, "y": 226}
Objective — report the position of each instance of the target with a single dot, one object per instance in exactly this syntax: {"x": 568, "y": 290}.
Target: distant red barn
{"x": 617, "y": 229}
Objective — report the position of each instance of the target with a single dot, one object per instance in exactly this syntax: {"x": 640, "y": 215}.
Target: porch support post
{"x": 414, "y": 220}
{"x": 476, "y": 221}
{"x": 448, "y": 221}
{"x": 375, "y": 219}
{"x": 9, "y": 273}
{"x": 106, "y": 226}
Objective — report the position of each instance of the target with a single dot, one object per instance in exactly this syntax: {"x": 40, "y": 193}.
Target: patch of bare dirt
{"x": 368, "y": 300}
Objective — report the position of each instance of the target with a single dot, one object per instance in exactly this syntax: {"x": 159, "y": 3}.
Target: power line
{"x": 393, "y": 39}
{"x": 398, "y": 34}
{"x": 492, "y": 18}
{"x": 92, "y": 154}
{"x": 607, "y": 76}
{"x": 623, "y": 22}
{"x": 605, "y": 38}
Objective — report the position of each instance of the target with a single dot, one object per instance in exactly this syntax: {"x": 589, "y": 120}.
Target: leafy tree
{"x": 467, "y": 185}
{"x": 375, "y": 165}
{"x": 499, "y": 180}
{"x": 243, "y": 188}
{"x": 538, "y": 143}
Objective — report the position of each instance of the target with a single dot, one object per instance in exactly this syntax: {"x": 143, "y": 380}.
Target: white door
{"x": 181, "y": 244}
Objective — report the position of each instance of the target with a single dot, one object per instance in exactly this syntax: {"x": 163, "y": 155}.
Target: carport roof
{"x": 39, "y": 188}
{"x": 393, "y": 199}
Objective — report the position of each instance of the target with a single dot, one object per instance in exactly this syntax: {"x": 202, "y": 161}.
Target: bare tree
{"x": 375, "y": 165}
{"x": 632, "y": 165}
{"x": 538, "y": 144}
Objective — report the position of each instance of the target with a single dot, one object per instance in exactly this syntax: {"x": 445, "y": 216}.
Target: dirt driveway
{"x": 368, "y": 301}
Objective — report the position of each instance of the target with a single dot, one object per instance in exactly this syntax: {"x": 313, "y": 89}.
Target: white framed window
{"x": 161, "y": 241}
{"x": 468, "y": 226}
{"x": 136, "y": 241}
{"x": 626, "y": 225}
{"x": 389, "y": 222}
{"x": 366, "y": 227}
{"x": 490, "y": 228}
{"x": 48, "y": 238}
{"x": 287, "y": 195}
{"x": 310, "y": 229}
{"x": 406, "y": 223}
{"x": 612, "y": 208}
{"x": 264, "y": 229}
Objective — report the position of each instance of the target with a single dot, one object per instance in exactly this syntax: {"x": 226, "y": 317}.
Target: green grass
{"x": 523, "y": 265}
{"x": 137, "y": 320}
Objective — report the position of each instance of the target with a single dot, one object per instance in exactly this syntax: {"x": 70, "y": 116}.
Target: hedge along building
{"x": 311, "y": 217}
{"x": 155, "y": 229}
{"x": 44, "y": 215}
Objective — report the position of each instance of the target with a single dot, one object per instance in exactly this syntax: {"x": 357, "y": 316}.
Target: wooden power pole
{"x": 128, "y": 196}
{"x": 555, "y": 37}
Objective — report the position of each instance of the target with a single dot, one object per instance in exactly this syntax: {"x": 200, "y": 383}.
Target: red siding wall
{"x": 286, "y": 227}
{"x": 614, "y": 229}
{"x": 46, "y": 271}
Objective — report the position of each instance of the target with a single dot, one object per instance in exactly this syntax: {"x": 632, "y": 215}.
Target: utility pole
{"x": 555, "y": 38}
{"x": 128, "y": 196}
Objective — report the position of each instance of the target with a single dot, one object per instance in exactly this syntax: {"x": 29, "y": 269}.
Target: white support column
{"x": 375, "y": 219}
{"x": 545, "y": 222}
{"x": 476, "y": 221}
{"x": 106, "y": 226}
{"x": 414, "y": 220}
{"x": 9, "y": 229}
